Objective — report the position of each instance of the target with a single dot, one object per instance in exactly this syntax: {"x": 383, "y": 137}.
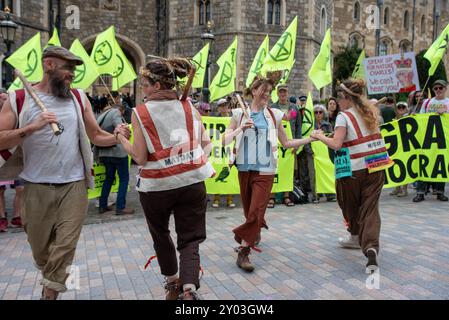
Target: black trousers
{"x": 188, "y": 205}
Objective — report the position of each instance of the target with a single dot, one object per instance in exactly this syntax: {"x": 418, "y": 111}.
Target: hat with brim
{"x": 222, "y": 102}
{"x": 440, "y": 82}
{"x": 302, "y": 98}
{"x": 282, "y": 87}
{"x": 61, "y": 53}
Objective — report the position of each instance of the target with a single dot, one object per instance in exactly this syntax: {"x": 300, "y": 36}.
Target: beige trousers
{"x": 53, "y": 216}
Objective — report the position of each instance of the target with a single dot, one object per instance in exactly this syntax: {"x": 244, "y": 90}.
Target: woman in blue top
{"x": 256, "y": 154}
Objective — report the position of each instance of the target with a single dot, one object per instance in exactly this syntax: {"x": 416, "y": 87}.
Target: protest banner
{"x": 418, "y": 145}
{"x": 226, "y": 180}
{"x": 391, "y": 74}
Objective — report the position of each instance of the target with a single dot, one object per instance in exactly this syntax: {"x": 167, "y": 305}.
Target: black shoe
{"x": 442, "y": 197}
{"x": 419, "y": 198}
{"x": 372, "y": 264}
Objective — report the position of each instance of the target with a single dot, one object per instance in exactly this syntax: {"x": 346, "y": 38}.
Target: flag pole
{"x": 106, "y": 87}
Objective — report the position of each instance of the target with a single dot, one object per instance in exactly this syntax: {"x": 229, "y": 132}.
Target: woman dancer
{"x": 360, "y": 165}
{"x": 256, "y": 160}
{"x": 169, "y": 145}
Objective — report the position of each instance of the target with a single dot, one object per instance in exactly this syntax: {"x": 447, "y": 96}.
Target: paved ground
{"x": 300, "y": 258}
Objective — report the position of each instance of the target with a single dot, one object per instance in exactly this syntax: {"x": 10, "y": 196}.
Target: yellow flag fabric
{"x": 200, "y": 60}
{"x": 85, "y": 74}
{"x": 110, "y": 59}
{"x": 258, "y": 61}
{"x": 54, "y": 40}
{"x": 124, "y": 72}
{"x": 224, "y": 82}
{"x": 359, "y": 70}
{"x": 284, "y": 79}
{"x": 308, "y": 123}
{"x": 321, "y": 72}
{"x": 28, "y": 59}
{"x": 282, "y": 55}
{"x": 436, "y": 52}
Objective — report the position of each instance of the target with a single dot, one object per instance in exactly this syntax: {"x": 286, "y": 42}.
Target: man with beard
{"x": 56, "y": 170}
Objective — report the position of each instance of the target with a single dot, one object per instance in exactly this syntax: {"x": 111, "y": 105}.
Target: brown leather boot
{"x": 172, "y": 290}
{"x": 49, "y": 294}
{"x": 243, "y": 259}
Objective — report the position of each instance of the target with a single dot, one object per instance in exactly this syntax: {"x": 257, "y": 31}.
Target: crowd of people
{"x": 56, "y": 174}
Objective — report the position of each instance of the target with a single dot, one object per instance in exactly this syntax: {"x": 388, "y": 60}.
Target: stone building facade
{"x": 174, "y": 27}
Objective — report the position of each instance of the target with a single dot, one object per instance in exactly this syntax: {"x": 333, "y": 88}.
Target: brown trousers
{"x": 358, "y": 197}
{"x": 53, "y": 216}
{"x": 255, "y": 189}
{"x": 188, "y": 205}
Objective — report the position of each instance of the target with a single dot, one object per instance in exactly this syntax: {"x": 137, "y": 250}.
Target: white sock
{"x": 188, "y": 286}
{"x": 173, "y": 278}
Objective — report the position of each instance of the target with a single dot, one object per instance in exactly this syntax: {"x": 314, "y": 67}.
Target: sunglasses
{"x": 438, "y": 88}
{"x": 318, "y": 112}
{"x": 401, "y": 107}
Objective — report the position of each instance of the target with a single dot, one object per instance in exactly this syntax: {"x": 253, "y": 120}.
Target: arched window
{"x": 406, "y": 21}
{"x": 277, "y": 12}
{"x": 383, "y": 48}
{"x": 357, "y": 11}
{"x": 405, "y": 46}
{"x": 387, "y": 16}
{"x": 423, "y": 25}
{"x": 274, "y": 12}
{"x": 7, "y": 3}
{"x": 204, "y": 14}
{"x": 355, "y": 41}
{"x": 323, "y": 21}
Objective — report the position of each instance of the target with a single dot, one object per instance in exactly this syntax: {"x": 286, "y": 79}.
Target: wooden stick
{"x": 37, "y": 100}
{"x": 185, "y": 94}
{"x": 242, "y": 105}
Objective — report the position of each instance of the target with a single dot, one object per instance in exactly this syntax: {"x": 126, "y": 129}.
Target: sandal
{"x": 271, "y": 203}
{"x": 288, "y": 202}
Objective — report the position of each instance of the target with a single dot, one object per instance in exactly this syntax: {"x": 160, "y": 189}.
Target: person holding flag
{"x": 57, "y": 170}
{"x": 360, "y": 162}
{"x": 256, "y": 130}
{"x": 170, "y": 144}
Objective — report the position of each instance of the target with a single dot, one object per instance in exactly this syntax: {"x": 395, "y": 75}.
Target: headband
{"x": 349, "y": 91}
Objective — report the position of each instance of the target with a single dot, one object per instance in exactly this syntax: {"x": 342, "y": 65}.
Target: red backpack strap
{"x": 272, "y": 116}
{"x": 20, "y": 100}
{"x": 355, "y": 124}
{"x": 77, "y": 95}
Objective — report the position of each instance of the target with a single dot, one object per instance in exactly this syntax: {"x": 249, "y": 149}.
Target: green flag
{"x": 103, "y": 52}
{"x": 436, "y": 52}
{"x": 54, "y": 40}
{"x": 200, "y": 61}
{"x": 308, "y": 124}
{"x": 321, "y": 73}
{"x": 258, "y": 61}
{"x": 86, "y": 73}
{"x": 359, "y": 70}
{"x": 124, "y": 72}
{"x": 28, "y": 59}
{"x": 224, "y": 81}
{"x": 282, "y": 54}
{"x": 284, "y": 79}
{"x": 110, "y": 59}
